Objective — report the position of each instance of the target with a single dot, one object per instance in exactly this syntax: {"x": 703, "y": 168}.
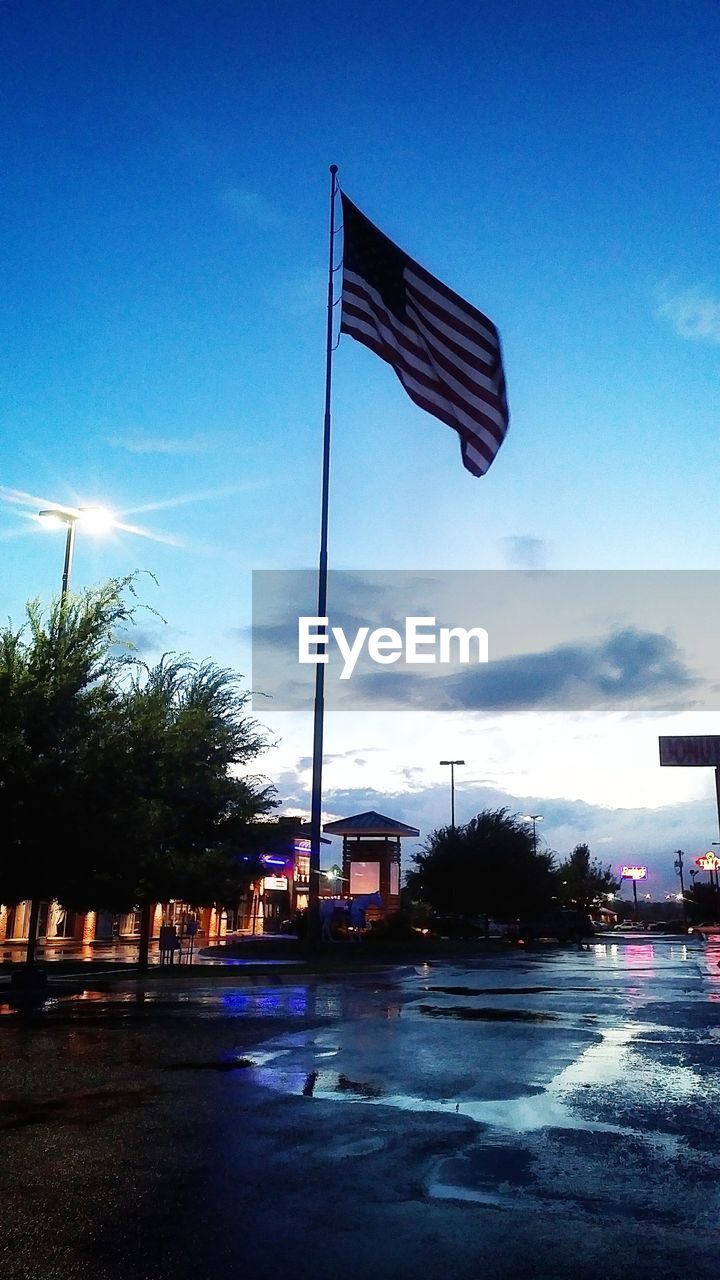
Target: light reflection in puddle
{"x": 497, "y": 1199}
{"x": 603, "y": 1064}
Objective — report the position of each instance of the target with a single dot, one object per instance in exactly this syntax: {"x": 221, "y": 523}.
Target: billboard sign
{"x": 696, "y": 750}
{"x": 634, "y": 873}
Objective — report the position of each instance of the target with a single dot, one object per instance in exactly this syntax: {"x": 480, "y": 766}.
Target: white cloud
{"x": 693, "y": 313}
{"x": 251, "y": 207}
{"x": 140, "y": 442}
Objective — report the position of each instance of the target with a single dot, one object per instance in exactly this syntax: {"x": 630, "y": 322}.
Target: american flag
{"x": 445, "y": 352}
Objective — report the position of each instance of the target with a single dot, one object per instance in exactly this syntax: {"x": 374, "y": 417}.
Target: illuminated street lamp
{"x": 96, "y": 519}
{"x": 534, "y": 818}
{"x": 452, "y": 764}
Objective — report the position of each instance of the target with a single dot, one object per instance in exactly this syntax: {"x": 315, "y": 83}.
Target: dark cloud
{"x": 619, "y": 671}
{"x": 591, "y": 640}
{"x": 525, "y": 552}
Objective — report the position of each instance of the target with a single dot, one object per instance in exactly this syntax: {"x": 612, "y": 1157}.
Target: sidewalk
{"x": 126, "y": 952}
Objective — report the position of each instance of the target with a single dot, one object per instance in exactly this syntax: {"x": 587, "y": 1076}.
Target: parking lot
{"x": 545, "y": 1112}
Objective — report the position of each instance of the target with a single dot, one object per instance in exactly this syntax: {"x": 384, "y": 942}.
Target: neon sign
{"x": 709, "y": 862}
{"x": 634, "y": 873}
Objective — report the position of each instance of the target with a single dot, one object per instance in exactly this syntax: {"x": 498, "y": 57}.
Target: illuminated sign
{"x": 634, "y": 873}
{"x": 269, "y": 860}
{"x": 276, "y": 882}
{"x": 696, "y": 750}
{"x": 708, "y": 862}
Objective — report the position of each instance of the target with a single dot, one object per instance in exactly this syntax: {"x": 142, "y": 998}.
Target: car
{"x": 455, "y": 927}
{"x": 667, "y": 926}
{"x": 564, "y": 926}
{"x": 705, "y": 931}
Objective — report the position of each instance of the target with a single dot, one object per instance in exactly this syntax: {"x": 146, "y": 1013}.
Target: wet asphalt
{"x": 545, "y": 1113}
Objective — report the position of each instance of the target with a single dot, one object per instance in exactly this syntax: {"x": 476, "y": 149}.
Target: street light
{"x": 96, "y": 519}
{"x": 678, "y": 865}
{"x": 534, "y": 818}
{"x": 452, "y": 764}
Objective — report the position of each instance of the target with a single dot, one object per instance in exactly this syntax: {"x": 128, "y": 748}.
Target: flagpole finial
{"x": 333, "y": 169}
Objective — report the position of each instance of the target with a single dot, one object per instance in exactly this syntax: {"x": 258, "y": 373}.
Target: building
{"x": 278, "y": 891}
{"x": 371, "y": 863}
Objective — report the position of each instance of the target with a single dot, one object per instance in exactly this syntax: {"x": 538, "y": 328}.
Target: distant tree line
{"x": 491, "y": 866}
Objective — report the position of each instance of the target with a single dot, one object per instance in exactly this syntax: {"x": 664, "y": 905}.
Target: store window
{"x": 18, "y": 920}
{"x": 364, "y": 877}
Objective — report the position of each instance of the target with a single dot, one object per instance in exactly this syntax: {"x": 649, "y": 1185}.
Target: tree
{"x": 703, "y": 903}
{"x": 119, "y": 784}
{"x": 583, "y": 882}
{"x": 487, "y": 867}
{"x": 182, "y": 814}
{"x": 58, "y": 701}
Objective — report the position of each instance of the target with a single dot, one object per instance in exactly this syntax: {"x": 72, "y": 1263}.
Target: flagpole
{"x": 319, "y": 706}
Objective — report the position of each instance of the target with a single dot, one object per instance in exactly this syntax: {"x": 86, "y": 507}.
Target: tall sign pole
{"x": 694, "y": 751}
{"x": 319, "y": 706}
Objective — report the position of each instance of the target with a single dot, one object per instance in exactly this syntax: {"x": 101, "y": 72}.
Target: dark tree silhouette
{"x": 120, "y": 785}
{"x": 582, "y": 881}
{"x": 486, "y": 867}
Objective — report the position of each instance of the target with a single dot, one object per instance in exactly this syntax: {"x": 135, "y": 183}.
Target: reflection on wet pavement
{"x": 599, "y": 1069}
{"x": 551, "y": 1082}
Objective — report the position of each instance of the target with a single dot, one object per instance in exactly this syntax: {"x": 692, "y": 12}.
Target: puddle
{"x": 486, "y": 1014}
{"x": 499, "y": 991}
{"x": 474, "y": 1195}
{"x": 360, "y": 1088}
{"x": 554, "y": 1107}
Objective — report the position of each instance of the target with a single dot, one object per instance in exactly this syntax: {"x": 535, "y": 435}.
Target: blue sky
{"x": 164, "y": 223}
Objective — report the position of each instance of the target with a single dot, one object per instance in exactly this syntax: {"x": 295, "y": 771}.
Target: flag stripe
{"x": 428, "y": 346}
{"x": 445, "y": 352}
{"x": 477, "y": 427}
{"x": 403, "y": 346}
{"x": 465, "y": 309}
{"x": 441, "y": 352}
{"x": 478, "y": 335}
{"x": 423, "y": 375}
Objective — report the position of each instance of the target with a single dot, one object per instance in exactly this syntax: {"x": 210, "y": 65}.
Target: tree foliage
{"x": 486, "y": 867}
{"x": 59, "y": 701}
{"x": 120, "y": 784}
{"x": 582, "y": 881}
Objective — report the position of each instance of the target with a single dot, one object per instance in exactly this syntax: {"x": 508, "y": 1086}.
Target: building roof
{"x": 369, "y": 824}
{"x": 297, "y": 828}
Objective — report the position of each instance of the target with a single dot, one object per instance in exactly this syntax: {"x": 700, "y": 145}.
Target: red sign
{"x": 708, "y": 862}
{"x": 634, "y": 873}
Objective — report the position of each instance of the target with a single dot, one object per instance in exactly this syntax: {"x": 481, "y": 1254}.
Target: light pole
{"x": 67, "y": 518}
{"x": 452, "y": 764}
{"x": 95, "y": 518}
{"x": 534, "y": 818}
{"x": 678, "y": 864}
